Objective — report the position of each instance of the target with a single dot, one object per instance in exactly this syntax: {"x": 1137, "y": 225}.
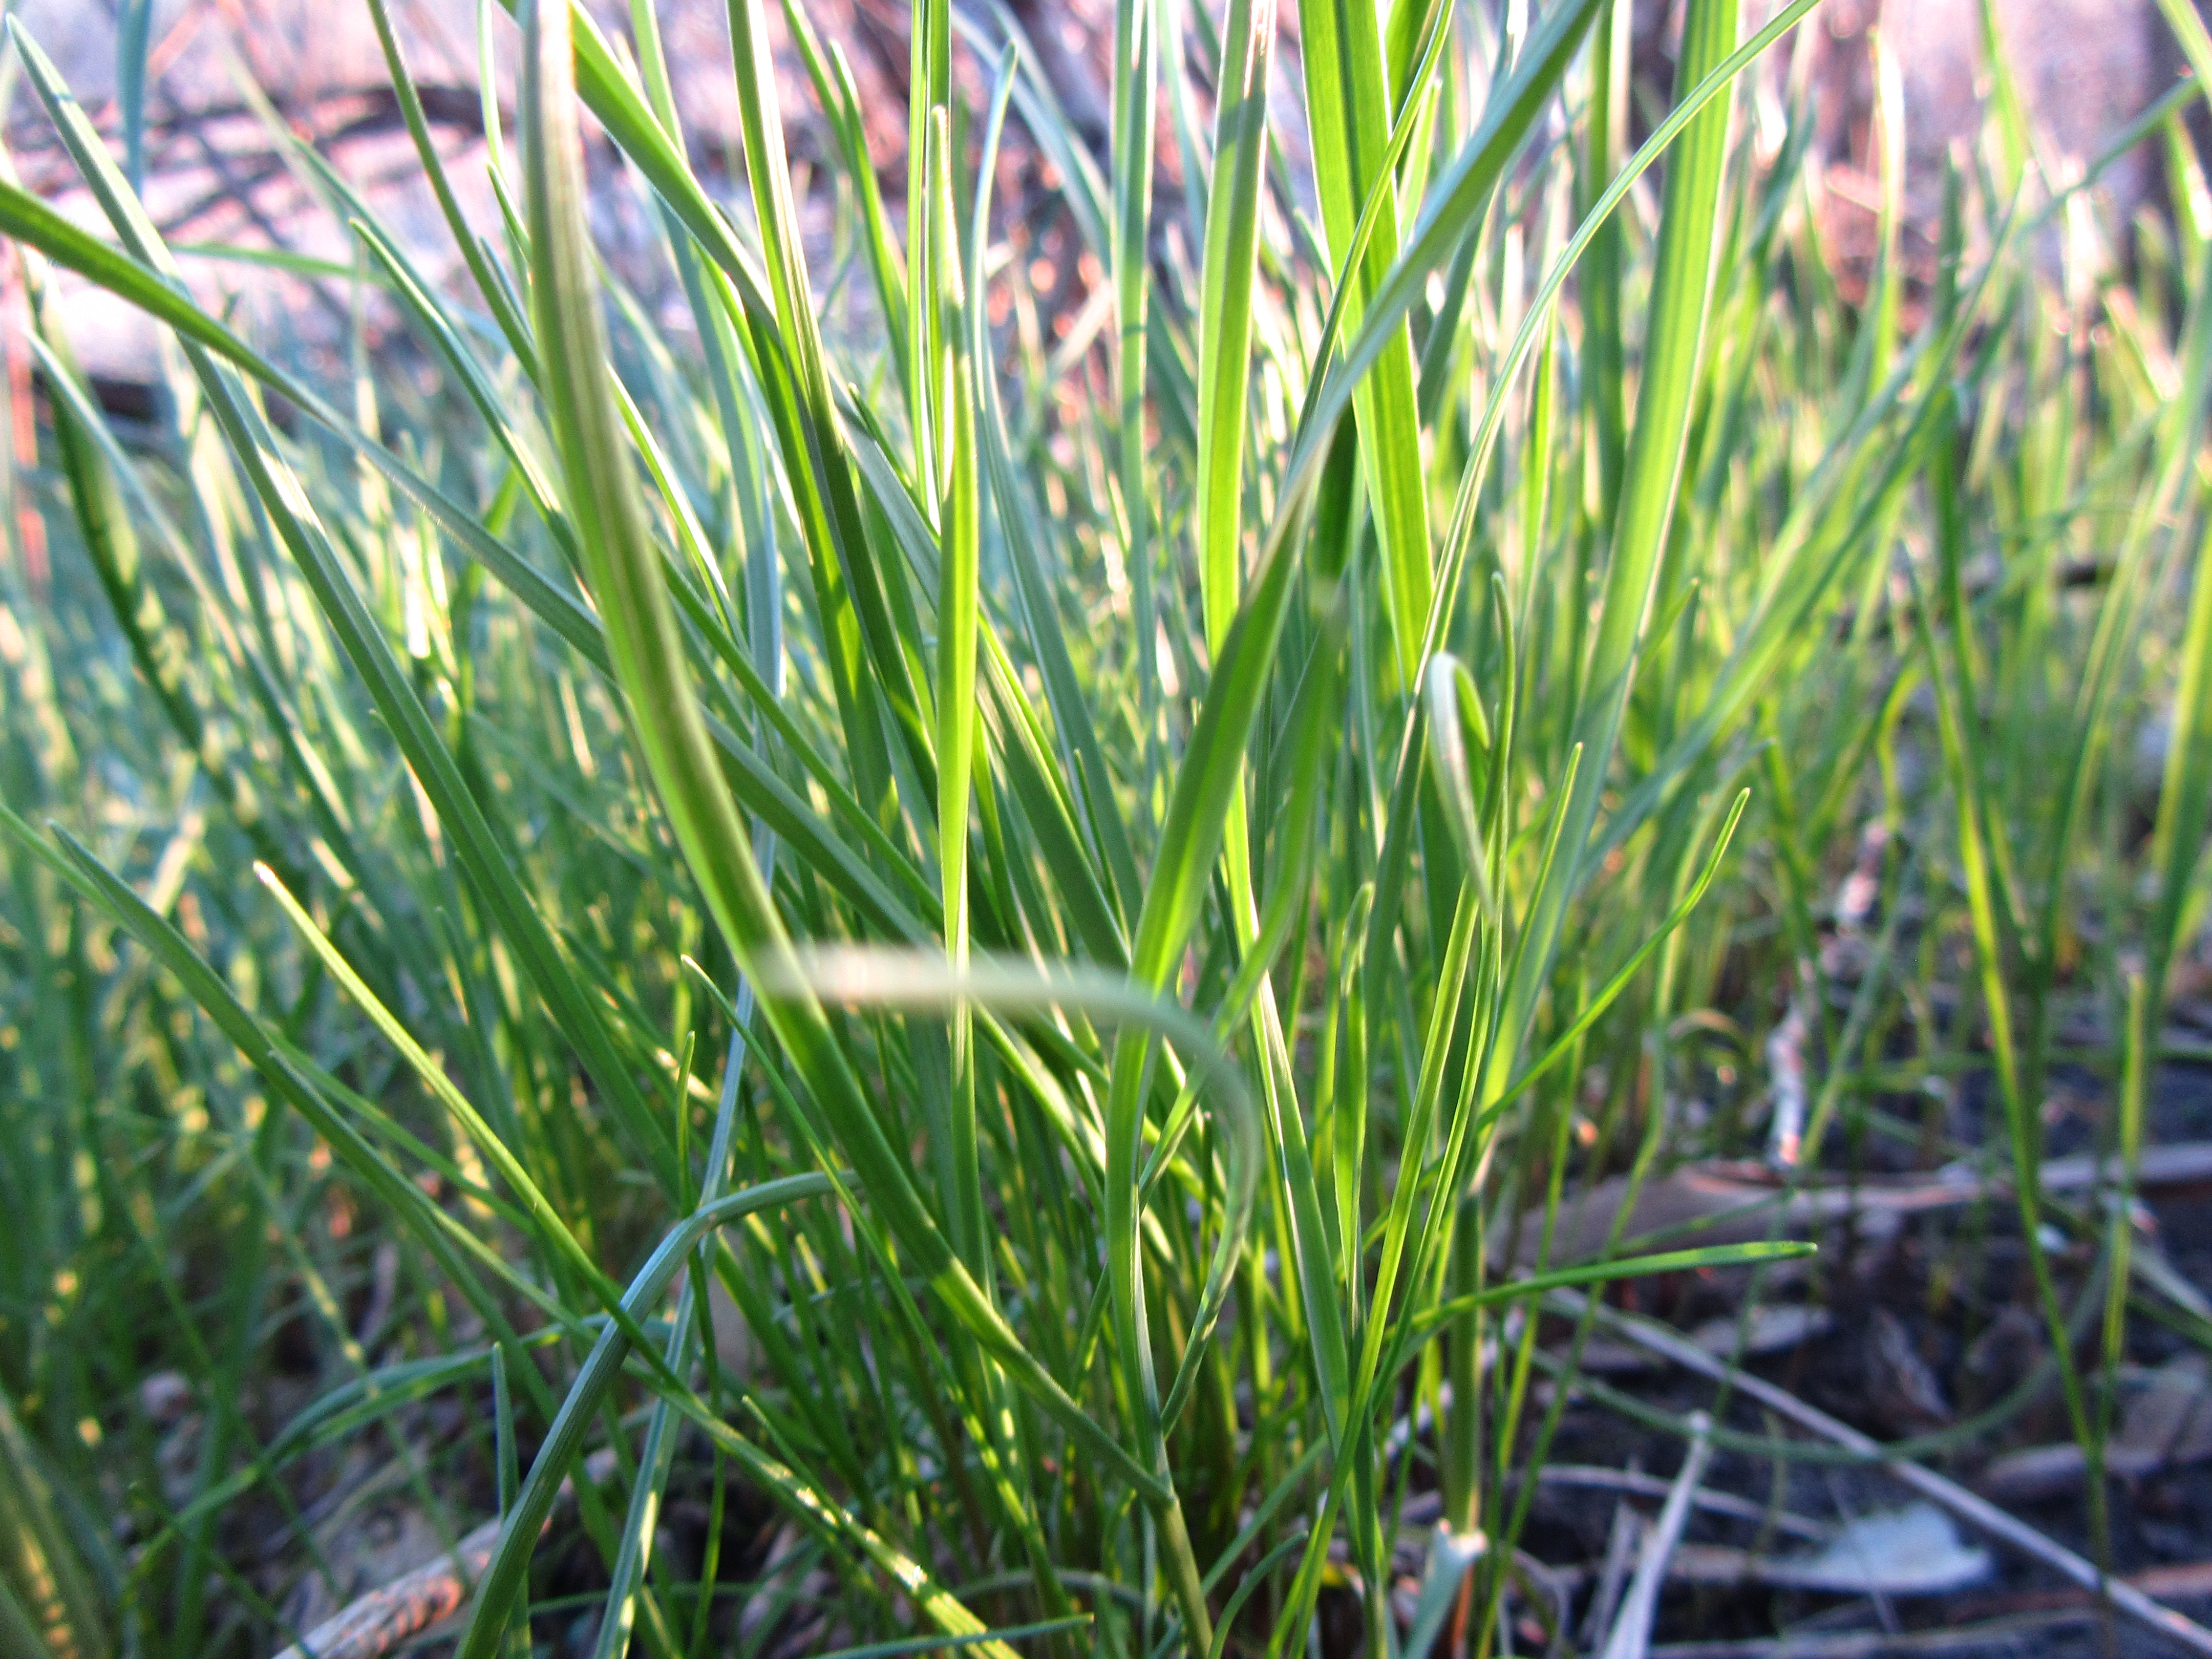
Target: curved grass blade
{"x": 293, "y": 517}
{"x": 650, "y": 664}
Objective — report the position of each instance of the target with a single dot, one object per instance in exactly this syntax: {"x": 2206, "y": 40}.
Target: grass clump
{"x": 1091, "y": 922}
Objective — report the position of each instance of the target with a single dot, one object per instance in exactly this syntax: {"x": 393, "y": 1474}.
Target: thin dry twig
{"x": 1650, "y": 1485}
{"x": 1726, "y": 1203}
{"x": 1977, "y": 1512}
{"x": 378, "y": 1623}
{"x": 1785, "y": 1063}
{"x": 1613, "y": 1572}
{"x": 1632, "y": 1628}
{"x": 1873, "y": 1643}
{"x": 381, "y": 1620}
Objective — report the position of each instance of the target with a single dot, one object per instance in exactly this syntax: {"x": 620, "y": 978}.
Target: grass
{"x": 1093, "y": 917}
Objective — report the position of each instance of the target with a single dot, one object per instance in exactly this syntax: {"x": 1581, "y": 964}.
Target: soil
{"x": 1955, "y": 1287}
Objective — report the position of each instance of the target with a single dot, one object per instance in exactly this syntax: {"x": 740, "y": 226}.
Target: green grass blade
{"x": 1231, "y": 258}
{"x": 650, "y": 664}
{"x": 1681, "y": 301}
{"x": 1349, "y": 111}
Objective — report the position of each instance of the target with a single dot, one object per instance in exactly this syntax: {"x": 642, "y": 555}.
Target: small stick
{"x": 1632, "y": 1627}
{"x": 381, "y": 1620}
{"x": 1650, "y": 1485}
{"x": 1877, "y": 1644}
{"x": 1715, "y": 1202}
{"x": 377, "y": 1623}
{"x": 1785, "y": 1063}
{"x": 1619, "y": 1548}
{"x": 1977, "y": 1512}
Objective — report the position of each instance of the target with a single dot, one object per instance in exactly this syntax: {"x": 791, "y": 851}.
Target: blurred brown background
{"x": 214, "y": 174}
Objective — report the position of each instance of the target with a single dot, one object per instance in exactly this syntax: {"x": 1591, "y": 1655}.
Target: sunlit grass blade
{"x": 651, "y": 665}
{"x": 1682, "y": 284}
{"x": 1189, "y": 762}
{"x": 1350, "y": 111}
{"x": 1231, "y": 269}
{"x": 47, "y": 1603}
{"x": 251, "y": 443}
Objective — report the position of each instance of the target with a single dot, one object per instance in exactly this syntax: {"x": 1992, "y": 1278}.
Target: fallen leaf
{"x": 1914, "y": 1550}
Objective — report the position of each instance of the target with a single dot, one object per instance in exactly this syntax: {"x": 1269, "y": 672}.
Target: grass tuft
{"x": 977, "y": 937}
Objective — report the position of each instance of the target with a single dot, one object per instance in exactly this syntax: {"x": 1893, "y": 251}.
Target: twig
{"x": 1650, "y": 1485}
{"x": 1723, "y": 1202}
{"x": 379, "y": 1622}
{"x": 1873, "y": 1643}
{"x": 1785, "y": 1063}
{"x": 1723, "y": 1566}
{"x": 1632, "y": 1628}
{"x": 2176, "y": 1579}
{"x": 1612, "y": 1573}
{"x": 1977, "y": 1512}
